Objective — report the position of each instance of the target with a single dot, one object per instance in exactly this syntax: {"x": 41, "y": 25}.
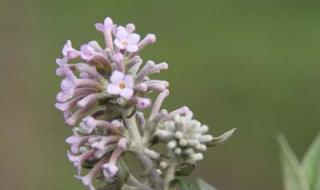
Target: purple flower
{"x": 106, "y": 28}
{"x": 87, "y": 52}
{"x": 94, "y": 54}
{"x": 75, "y": 142}
{"x": 106, "y": 25}
{"x": 69, "y": 52}
{"x": 142, "y": 103}
{"x": 125, "y": 40}
{"x": 121, "y": 84}
{"x": 110, "y": 170}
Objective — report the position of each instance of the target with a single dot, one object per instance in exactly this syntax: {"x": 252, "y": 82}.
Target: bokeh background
{"x": 249, "y": 64}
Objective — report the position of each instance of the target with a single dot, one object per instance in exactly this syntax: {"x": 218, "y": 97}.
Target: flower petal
{"x": 121, "y": 33}
{"x": 126, "y": 93}
{"x": 69, "y": 52}
{"x": 132, "y": 48}
{"x": 110, "y": 170}
{"x": 118, "y": 43}
{"x": 133, "y": 38}
{"x": 67, "y": 47}
{"x": 113, "y": 89}
{"x": 108, "y": 22}
{"x": 130, "y": 27}
{"x": 87, "y": 52}
{"x": 129, "y": 81}
{"x": 99, "y": 27}
{"x": 116, "y": 77}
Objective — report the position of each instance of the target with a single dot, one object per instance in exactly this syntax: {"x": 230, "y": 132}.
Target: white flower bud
{"x": 205, "y": 138}
{"x": 178, "y": 135}
{"x": 204, "y": 129}
{"x": 189, "y": 151}
{"x": 177, "y": 151}
{"x": 164, "y": 134}
{"x": 201, "y": 147}
{"x": 164, "y": 164}
{"x": 197, "y": 157}
{"x": 193, "y": 142}
{"x": 183, "y": 142}
{"x": 172, "y": 144}
{"x": 195, "y": 123}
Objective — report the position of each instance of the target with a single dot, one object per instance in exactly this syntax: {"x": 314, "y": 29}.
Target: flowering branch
{"x": 104, "y": 93}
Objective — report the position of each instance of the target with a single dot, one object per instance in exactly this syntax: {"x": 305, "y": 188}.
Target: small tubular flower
{"x": 126, "y": 40}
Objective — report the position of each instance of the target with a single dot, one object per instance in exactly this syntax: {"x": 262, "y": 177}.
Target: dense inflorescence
{"x": 104, "y": 93}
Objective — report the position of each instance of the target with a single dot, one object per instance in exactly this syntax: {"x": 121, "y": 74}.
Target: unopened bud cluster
{"x": 185, "y": 137}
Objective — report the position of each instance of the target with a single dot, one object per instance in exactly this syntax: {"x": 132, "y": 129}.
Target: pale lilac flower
{"x": 104, "y": 144}
{"x": 118, "y": 58}
{"x": 95, "y": 55}
{"x": 121, "y": 84}
{"x": 110, "y": 168}
{"x": 142, "y": 103}
{"x": 76, "y": 141}
{"x": 69, "y": 52}
{"x": 147, "y": 40}
{"x": 106, "y": 28}
{"x": 78, "y": 160}
{"x": 87, "y": 52}
{"x": 126, "y": 40}
{"x": 87, "y": 180}
{"x": 107, "y": 24}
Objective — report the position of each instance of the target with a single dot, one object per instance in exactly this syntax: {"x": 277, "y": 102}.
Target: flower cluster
{"x": 95, "y": 77}
{"x": 104, "y": 93}
{"x": 97, "y": 144}
{"x": 98, "y": 83}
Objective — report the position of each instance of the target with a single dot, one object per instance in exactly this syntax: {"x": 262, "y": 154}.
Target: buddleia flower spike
{"x": 105, "y": 91}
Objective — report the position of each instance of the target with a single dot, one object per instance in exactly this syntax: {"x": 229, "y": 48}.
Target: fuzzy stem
{"x": 170, "y": 174}
{"x": 138, "y": 148}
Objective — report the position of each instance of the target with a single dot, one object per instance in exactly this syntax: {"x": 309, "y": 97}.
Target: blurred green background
{"x": 250, "y": 64}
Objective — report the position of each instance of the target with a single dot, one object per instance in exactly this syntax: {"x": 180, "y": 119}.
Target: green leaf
{"x": 183, "y": 184}
{"x": 123, "y": 173}
{"x": 222, "y": 138}
{"x": 311, "y": 164}
{"x": 204, "y": 185}
{"x": 184, "y": 169}
{"x": 293, "y": 174}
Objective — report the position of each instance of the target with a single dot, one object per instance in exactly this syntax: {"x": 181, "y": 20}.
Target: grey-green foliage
{"x": 204, "y": 185}
{"x": 301, "y": 176}
{"x": 311, "y": 165}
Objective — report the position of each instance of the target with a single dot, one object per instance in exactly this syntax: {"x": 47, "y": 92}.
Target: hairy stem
{"x": 145, "y": 161}
{"x": 170, "y": 174}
